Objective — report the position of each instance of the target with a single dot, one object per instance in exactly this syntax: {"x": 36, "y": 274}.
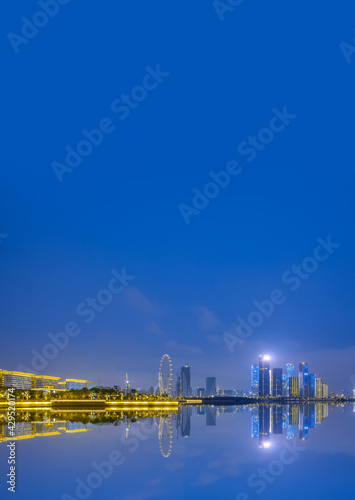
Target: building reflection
{"x": 291, "y": 421}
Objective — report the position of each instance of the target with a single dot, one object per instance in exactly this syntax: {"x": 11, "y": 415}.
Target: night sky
{"x": 211, "y": 87}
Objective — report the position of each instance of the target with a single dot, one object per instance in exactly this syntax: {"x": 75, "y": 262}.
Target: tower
{"x": 277, "y": 382}
{"x": 210, "y": 386}
{"x": 185, "y": 380}
{"x": 303, "y": 379}
{"x": 264, "y": 376}
{"x": 255, "y": 379}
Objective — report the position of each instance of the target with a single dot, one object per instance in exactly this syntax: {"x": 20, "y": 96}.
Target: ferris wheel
{"x": 165, "y": 377}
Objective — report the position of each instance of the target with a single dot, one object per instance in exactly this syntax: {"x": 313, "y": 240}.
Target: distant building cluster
{"x": 267, "y": 382}
{"x": 21, "y": 380}
{"x": 183, "y": 387}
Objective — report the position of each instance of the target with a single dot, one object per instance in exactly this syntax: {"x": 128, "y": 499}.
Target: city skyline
{"x": 277, "y": 380}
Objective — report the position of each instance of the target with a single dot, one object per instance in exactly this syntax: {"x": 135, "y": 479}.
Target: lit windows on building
{"x": 277, "y": 382}
{"x": 46, "y": 382}
{"x": 18, "y": 380}
{"x": 255, "y": 379}
{"x": 318, "y": 388}
{"x": 264, "y": 376}
{"x": 294, "y": 390}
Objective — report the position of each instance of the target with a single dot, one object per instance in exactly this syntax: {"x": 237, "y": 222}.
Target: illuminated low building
{"x": 71, "y": 383}
{"x": 46, "y": 382}
{"x": 18, "y": 380}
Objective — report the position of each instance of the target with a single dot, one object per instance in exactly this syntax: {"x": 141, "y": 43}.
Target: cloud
{"x": 215, "y": 339}
{"x": 173, "y": 466}
{"x": 206, "y": 319}
{"x": 186, "y": 349}
{"x": 135, "y": 298}
{"x": 154, "y": 328}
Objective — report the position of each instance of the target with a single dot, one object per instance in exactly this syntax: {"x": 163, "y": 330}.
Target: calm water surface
{"x": 237, "y": 453}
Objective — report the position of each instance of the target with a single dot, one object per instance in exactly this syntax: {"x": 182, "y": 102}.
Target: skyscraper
{"x": 264, "y": 376}
{"x": 303, "y": 379}
{"x": 311, "y": 385}
{"x": 178, "y": 386}
{"x": 185, "y": 381}
{"x": 318, "y": 389}
{"x": 255, "y": 379}
{"x": 210, "y": 386}
{"x": 294, "y": 390}
{"x": 290, "y": 372}
{"x": 277, "y": 382}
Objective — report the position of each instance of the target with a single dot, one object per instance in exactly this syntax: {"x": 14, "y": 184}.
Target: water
{"x": 237, "y": 453}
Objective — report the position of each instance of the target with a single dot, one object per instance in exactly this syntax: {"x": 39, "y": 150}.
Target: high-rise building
{"x": 325, "y": 391}
{"x": 294, "y": 391}
{"x": 318, "y": 388}
{"x": 185, "y": 381}
{"x": 264, "y": 376}
{"x": 284, "y": 384}
{"x": 277, "y": 382}
{"x": 311, "y": 385}
{"x": 255, "y": 379}
{"x": 303, "y": 379}
{"x": 210, "y": 386}
{"x": 290, "y": 372}
{"x": 178, "y": 386}
{"x": 128, "y": 384}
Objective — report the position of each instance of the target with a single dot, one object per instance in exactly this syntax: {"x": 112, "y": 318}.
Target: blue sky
{"x": 119, "y": 208}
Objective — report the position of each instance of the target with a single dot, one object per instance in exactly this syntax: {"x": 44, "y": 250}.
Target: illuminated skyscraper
{"x": 255, "y": 379}
{"x": 290, "y": 372}
{"x": 303, "y": 379}
{"x": 311, "y": 385}
{"x": 264, "y": 376}
{"x": 128, "y": 385}
{"x": 294, "y": 391}
{"x": 318, "y": 388}
{"x": 277, "y": 382}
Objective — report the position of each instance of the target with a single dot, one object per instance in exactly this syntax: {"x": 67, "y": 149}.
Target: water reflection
{"x": 266, "y": 420}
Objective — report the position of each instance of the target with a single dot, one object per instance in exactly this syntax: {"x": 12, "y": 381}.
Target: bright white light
{"x": 266, "y": 445}
{"x": 267, "y": 357}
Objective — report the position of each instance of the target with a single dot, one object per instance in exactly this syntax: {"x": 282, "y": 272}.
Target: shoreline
{"x": 215, "y": 401}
